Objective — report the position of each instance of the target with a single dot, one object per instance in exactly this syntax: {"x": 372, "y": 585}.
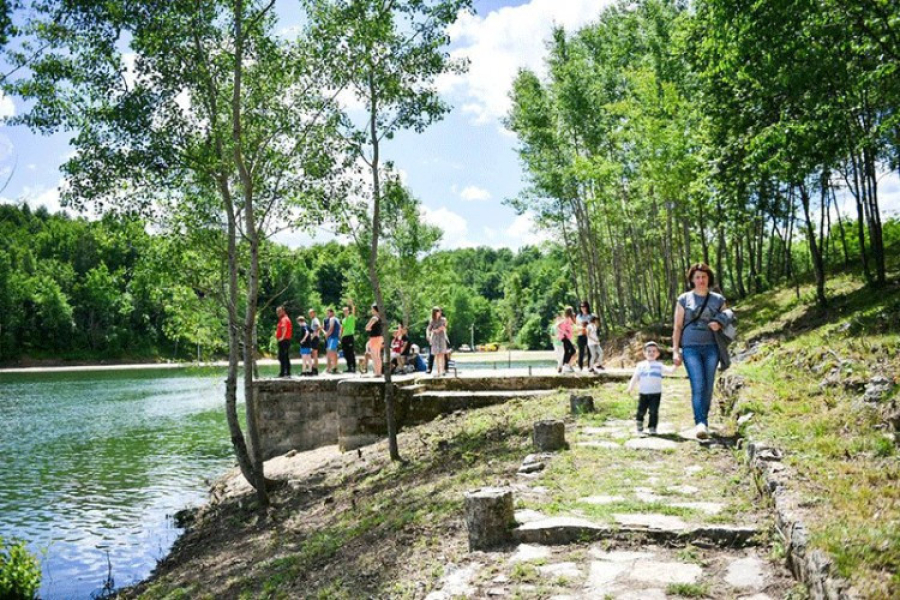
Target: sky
{"x": 462, "y": 168}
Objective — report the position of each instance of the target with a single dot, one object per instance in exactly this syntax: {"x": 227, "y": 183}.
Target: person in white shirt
{"x": 648, "y": 377}
{"x": 593, "y": 335}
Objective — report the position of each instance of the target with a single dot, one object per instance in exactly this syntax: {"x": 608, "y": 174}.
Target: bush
{"x": 20, "y": 573}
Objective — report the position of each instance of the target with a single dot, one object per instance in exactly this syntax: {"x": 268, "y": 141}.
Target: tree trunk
{"x": 374, "y": 278}
{"x": 818, "y": 265}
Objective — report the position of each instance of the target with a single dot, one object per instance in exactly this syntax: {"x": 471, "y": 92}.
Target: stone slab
{"x": 456, "y": 583}
{"x": 651, "y": 521}
{"x": 527, "y": 515}
{"x": 685, "y": 490}
{"x": 746, "y": 574}
{"x": 564, "y": 569}
{"x": 601, "y": 577}
{"x": 650, "y": 443}
{"x": 619, "y": 555}
{"x": 601, "y": 500}
{"x": 651, "y": 571}
{"x": 606, "y": 445}
{"x": 710, "y": 508}
{"x": 529, "y": 552}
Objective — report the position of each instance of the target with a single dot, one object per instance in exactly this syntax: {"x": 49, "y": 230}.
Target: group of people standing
{"x": 340, "y": 333}
{"x": 584, "y": 329}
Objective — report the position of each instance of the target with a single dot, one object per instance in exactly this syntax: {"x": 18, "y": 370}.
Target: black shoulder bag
{"x": 699, "y": 314}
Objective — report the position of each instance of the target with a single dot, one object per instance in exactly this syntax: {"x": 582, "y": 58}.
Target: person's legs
{"x": 582, "y": 350}
{"x": 653, "y": 406}
{"x": 560, "y": 355}
{"x": 431, "y": 358}
{"x": 376, "y": 345}
{"x": 349, "y": 354}
{"x": 643, "y": 402}
{"x": 701, "y": 363}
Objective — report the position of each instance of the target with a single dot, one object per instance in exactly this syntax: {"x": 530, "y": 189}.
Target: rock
{"x": 527, "y": 516}
{"x": 497, "y": 592}
{"x": 746, "y": 574}
{"x": 456, "y": 583}
{"x": 651, "y": 443}
{"x": 564, "y": 569}
{"x": 710, "y": 508}
{"x": 685, "y": 490}
{"x": 692, "y": 470}
{"x": 489, "y": 517}
{"x": 877, "y": 388}
{"x": 580, "y": 405}
{"x": 602, "y": 575}
{"x": 529, "y": 552}
{"x": 651, "y": 521}
{"x": 550, "y": 435}
{"x": 744, "y": 419}
{"x": 647, "y": 495}
{"x": 185, "y": 517}
{"x": 648, "y": 594}
{"x": 665, "y": 572}
{"x": 619, "y": 555}
{"x": 533, "y": 467}
{"x": 559, "y": 530}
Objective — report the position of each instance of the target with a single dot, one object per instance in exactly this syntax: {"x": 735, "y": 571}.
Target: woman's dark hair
{"x": 587, "y": 305}
{"x": 570, "y": 312}
{"x": 704, "y": 268}
{"x": 375, "y": 307}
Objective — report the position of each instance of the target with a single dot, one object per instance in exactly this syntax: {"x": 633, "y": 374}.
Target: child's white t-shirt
{"x": 593, "y": 337}
{"x": 648, "y": 375}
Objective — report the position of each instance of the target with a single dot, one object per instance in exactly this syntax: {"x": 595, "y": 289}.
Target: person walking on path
{"x": 440, "y": 344}
{"x": 305, "y": 350}
{"x": 348, "y": 329}
{"x": 648, "y": 379}
{"x": 332, "y": 340}
{"x": 593, "y": 335}
{"x": 694, "y": 342}
{"x": 564, "y": 334}
{"x": 283, "y": 333}
{"x": 375, "y": 329}
{"x": 581, "y": 324}
{"x": 315, "y": 332}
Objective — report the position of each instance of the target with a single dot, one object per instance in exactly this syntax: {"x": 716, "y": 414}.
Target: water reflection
{"x": 95, "y": 463}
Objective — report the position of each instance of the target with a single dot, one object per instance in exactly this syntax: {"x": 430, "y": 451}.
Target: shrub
{"x": 20, "y": 573}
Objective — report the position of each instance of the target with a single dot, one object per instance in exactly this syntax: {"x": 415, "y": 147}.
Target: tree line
{"x": 751, "y": 136}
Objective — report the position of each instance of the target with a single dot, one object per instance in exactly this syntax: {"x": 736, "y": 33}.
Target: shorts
{"x": 305, "y": 351}
{"x": 331, "y": 344}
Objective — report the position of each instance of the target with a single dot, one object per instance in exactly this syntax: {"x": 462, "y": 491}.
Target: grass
{"x": 804, "y": 385}
{"x": 688, "y": 590}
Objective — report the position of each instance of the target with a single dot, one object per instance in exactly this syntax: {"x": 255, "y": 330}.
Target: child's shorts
{"x": 305, "y": 351}
{"x": 331, "y": 344}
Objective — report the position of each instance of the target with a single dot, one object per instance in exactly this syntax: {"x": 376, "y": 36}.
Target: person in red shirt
{"x": 283, "y": 334}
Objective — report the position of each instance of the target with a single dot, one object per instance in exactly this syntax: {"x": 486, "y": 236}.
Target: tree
{"x": 387, "y": 53}
{"x": 218, "y": 121}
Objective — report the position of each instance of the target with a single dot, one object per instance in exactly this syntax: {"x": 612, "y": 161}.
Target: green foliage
{"x": 20, "y": 573}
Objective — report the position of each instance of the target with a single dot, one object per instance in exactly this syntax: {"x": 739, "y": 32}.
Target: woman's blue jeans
{"x": 701, "y": 363}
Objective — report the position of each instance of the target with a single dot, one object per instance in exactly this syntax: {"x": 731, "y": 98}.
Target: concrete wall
{"x": 299, "y": 414}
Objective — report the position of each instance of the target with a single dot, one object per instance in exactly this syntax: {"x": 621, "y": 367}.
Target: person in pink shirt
{"x": 564, "y": 328}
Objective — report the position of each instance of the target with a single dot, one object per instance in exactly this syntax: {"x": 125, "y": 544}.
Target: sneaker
{"x": 559, "y": 369}
{"x": 653, "y": 431}
{"x": 702, "y": 432}
{"x": 640, "y": 428}
{"x": 569, "y": 369}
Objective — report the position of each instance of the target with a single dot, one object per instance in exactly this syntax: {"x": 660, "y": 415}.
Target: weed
{"x": 688, "y": 590}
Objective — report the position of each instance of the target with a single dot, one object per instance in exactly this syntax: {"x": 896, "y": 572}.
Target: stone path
{"x": 627, "y": 516}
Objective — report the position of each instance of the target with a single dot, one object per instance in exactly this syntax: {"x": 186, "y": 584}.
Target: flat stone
{"x": 652, "y": 571}
{"x": 619, "y": 555}
{"x": 564, "y": 569}
{"x": 532, "y": 467}
{"x": 526, "y": 515}
{"x": 456, "y": 583}
{"x": 602, "y": 575}
{"x": 500, "y": 579}
{"x": 650, "y": 443}
{"x": 692, "y": 469}
{"x": 652, "y": 521}
{"x": 562, "y": 597}
{"x": 607, "y": 445}
{"x": 599, "y": 430}
{"x": 558, "y": 530}
{"x": 746, "y": 573}
{"x": 529, "y": 552}
{"x": 710, "y": 508}
{"x": 757, "y": 597}
{"x": 497, "y": 591}
{"x": 602, "y": 500}
{"x": 647, "y": 495}
{"x": 685, "y": 490}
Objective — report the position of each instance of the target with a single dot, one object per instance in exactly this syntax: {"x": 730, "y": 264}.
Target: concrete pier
{"x": 304, "y": 413}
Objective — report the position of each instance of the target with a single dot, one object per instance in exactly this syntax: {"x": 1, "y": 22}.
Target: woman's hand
{"x": 715, "y": 326}
{"x": 676, "y": 358}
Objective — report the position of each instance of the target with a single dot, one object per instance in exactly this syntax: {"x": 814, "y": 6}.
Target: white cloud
{"x": 500, "y": 43}
{"x": 7, "y": 107}
{"x": 473, "y": 193}
{"x": 454, "y": 226}
{"x": 524, "y": 232}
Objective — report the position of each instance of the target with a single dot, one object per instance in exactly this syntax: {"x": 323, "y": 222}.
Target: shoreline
{"x": 498, "y": 357}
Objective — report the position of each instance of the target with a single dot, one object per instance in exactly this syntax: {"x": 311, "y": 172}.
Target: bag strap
{"x": 699, "y": 314}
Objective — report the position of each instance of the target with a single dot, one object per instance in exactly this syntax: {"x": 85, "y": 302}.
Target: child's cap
{"x": 651, "y": 345}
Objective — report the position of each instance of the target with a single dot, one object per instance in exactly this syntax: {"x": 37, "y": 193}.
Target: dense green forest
{"x": 71, "y": 288}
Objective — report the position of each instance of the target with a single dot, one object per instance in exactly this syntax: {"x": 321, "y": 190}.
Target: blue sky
{"x": 461, "y": 168}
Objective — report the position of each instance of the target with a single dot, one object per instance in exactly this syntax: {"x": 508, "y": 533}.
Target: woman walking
{"x": 694, "y": 342}
{"x": 564, "y": 334}
{"x": 375, "y": 329}
{"x": 581, "y": 325}
{"x": 440, "y": 344}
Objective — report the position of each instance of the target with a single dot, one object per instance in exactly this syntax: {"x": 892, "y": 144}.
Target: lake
{"x": 96, "y": 463}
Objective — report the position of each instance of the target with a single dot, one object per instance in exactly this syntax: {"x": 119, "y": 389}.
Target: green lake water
{"x": 95, "y": 464}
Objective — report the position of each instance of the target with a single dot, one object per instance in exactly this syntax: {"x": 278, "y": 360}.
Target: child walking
{"x": 305, "y": 338}
{"x": 564, "y": 333}
{"x": 648, "y": 376}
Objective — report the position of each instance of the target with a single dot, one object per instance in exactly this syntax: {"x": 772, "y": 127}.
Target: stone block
{"x": 489, "y": 517}
{"x": 549, "y": 435}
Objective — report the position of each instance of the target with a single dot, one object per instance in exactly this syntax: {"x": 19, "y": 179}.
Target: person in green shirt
{"x": 348, "y": 329}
